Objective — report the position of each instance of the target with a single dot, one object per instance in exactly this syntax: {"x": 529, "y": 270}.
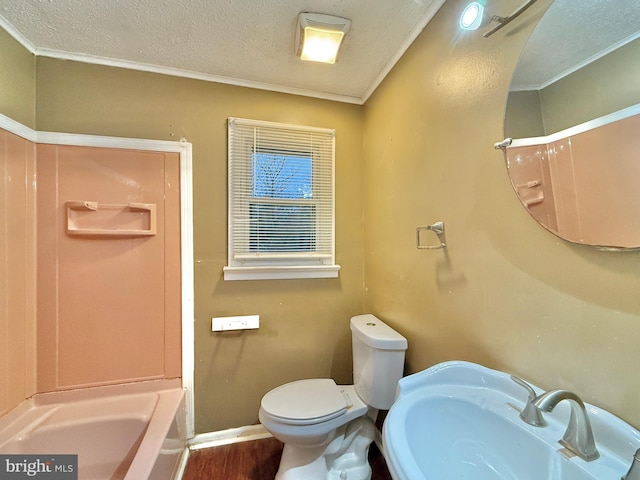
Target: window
{"x": 281, "y": 201}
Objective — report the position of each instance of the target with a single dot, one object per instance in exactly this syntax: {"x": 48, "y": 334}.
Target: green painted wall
{"x": 304, "y": 327}
{"x": 505, "y": 292}
{"x": 17, "y": 81}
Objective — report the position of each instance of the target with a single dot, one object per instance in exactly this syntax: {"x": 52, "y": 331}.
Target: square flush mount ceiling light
{"x": 318, "y": 37}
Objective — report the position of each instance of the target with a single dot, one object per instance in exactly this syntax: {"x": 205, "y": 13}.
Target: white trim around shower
{"x": 184, "y": 149}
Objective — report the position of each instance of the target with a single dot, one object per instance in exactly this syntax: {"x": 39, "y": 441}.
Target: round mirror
{"x": 574, "y": 115}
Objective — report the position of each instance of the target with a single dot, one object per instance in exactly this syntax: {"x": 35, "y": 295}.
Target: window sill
{"x": 281, "y": 272}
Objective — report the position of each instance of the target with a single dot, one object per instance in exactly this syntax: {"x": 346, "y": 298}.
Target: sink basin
{"x": 461, "y": 420}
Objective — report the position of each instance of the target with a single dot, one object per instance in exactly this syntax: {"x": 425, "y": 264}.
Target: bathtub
{"x": 121, "y": 432}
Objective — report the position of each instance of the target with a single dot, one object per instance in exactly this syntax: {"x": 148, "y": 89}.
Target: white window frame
{"x": 244, "y": 265}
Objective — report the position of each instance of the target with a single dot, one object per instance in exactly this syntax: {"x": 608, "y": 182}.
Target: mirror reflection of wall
{"x": 608, "y": 84}
{"x": 574, "y": 112}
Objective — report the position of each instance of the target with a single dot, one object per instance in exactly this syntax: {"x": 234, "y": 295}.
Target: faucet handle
{"x": 530, "y": 413}
{"x": 529, "y": 388}
{"x": 634, "y": 469}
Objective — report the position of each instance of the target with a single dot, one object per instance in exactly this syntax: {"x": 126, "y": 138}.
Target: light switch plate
{"x": 242, "y": 322}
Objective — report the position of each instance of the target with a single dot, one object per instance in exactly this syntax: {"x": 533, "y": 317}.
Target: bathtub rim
{"x": 101, "y": 391}
{"x": 170, "y": 404}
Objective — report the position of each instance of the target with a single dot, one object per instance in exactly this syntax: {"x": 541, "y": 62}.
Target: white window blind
{"x": 281, "y": 201}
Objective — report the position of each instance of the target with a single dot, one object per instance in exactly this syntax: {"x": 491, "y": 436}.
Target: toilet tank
{"x": 378, "y": 360}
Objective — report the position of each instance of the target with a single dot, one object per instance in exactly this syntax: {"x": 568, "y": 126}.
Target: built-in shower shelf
{"x": 93, "y": 219}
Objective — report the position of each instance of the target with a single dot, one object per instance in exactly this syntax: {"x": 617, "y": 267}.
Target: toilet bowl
{"x": 282, "y": 411}
{"x": 327, "y": 428}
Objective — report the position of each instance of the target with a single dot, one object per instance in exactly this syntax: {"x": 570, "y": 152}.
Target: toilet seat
{"x": 306, "y": 402}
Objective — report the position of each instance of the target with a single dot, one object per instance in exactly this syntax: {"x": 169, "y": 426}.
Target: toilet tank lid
{"x": 374, "y": 332}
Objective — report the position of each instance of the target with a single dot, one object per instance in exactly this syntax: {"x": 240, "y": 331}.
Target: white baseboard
{"x": 245, "y": 434}
{"x": 226, "y": 437}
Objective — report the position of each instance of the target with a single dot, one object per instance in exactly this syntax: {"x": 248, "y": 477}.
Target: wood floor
{"x": 254, "y": 460}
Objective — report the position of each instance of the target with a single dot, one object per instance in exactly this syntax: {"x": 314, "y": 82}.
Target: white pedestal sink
{"x": 459, "y": 420}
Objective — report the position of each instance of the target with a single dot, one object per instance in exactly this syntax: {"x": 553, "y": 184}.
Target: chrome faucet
{"x": 578, "y": 438}
{"x": 634, "y": 469}
{"x": 530, "y": 413}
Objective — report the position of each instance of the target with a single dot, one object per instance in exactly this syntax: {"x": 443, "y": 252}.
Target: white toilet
{"x": 327, "y": 428}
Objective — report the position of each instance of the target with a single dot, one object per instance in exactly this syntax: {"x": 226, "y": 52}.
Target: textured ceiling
{"x": 244, "y": 42}
{"x": 573, "y": 33}
{"x": 251, "y": 42}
